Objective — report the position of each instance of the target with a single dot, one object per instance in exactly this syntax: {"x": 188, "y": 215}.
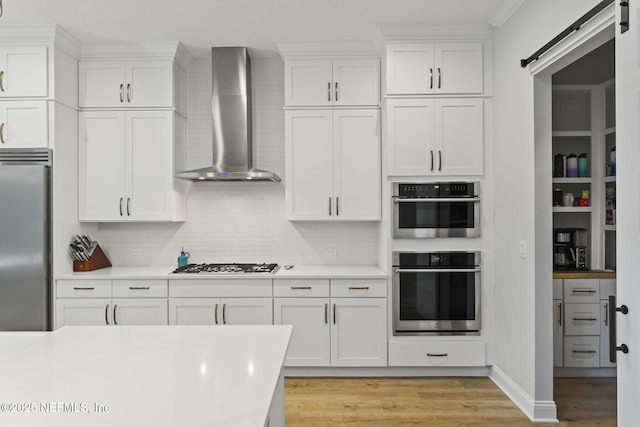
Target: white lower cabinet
{"x": 581, "y": 351}
{"x": 111, "y": 302}
{"x": 452, "y": 354}
{"x": 348, "y": 329}
{"x": 220, "y": 302}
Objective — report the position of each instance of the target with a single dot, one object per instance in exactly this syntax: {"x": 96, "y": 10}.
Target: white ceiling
{"x": 200, "y": 24}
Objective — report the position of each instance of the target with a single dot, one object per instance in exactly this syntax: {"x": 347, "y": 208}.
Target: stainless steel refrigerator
{"x": 25, "y": 239}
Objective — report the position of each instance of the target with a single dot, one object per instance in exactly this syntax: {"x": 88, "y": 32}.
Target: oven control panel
{"x": 435, "y": 189}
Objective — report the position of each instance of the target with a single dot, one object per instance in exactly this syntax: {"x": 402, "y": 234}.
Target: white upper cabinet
{"x": 333, "y": 165}
{"x": 143, "y": 84}
{"x": 434, "y": 68}
{"x": 23, "y": 71}
{"x": 332, "y": 82}
{"x": 435, "y": 136}
{"x": 23, "y": 124}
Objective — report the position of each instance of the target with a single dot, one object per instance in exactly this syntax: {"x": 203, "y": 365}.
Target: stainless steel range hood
{"x": 232, "y": 131}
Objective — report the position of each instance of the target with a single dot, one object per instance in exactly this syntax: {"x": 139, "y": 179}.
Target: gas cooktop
{"x": 227, "y": 268}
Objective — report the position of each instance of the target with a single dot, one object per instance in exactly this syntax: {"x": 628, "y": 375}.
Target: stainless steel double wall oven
{"x": 436, "y": 292}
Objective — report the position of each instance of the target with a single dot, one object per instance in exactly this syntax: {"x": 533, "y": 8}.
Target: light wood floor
{"x": 438, "y": 402}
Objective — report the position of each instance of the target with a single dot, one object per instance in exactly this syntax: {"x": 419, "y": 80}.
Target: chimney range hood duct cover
{"x": 232, "y": 131}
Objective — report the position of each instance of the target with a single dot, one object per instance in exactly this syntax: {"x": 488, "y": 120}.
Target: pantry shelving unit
{"x": 583, "y": 120}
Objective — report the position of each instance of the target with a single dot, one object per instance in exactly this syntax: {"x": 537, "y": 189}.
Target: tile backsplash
{"x": 239, "y": 222}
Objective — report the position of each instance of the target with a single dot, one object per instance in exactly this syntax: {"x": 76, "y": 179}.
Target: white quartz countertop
{"x": 143, "y": 376}
{"x": 165, "y": 272}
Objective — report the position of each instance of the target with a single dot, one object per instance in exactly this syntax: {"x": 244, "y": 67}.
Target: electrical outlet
{"x": 523, "y": 249}
{"x": 136, "y": 251}
{"x": 330, "y": 252}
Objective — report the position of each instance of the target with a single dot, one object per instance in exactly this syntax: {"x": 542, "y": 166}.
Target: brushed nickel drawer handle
{"x": 606, "y": 314}
{"x": 431, "y": 160}
{"x": 439, "y": 78}
{"x": 334, "y": 314}
{"x": 437, "y": 354}
{"x": 215, "y": 311}
{"x": 337, "y": 206}
{"x": 330, "y": 210}
{"x": 583, "y": 291}
{"x": 115, "y": 319}
{"x": 121, "y": 92}
{"x": 128, "y": 92}
{"x": 336, "y": 84}
{"x": 224, "y": 312}
{"x": 139, "y": 288}
{"x": 83, "y": 289}
{"x": 439, "y": 160}
{"x": 326, "y": 314}
{"x": 301, "y": 288}
{"x": 584, "y": 351}
{"x": 106, "y": 314}
{"x": 585, "y": 319}
{"x": 329, "y": 91}
{"x": 560, "y": 314}
{"x": 2, "y": 81}
{"x": 430, "y": 78}
{"x": 121, "y": 200}
{"x": 358, "y": 288}
{"x": 2, "y": 133}
{"x": 128, "y": 206}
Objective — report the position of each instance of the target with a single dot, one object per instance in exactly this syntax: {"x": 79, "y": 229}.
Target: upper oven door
{"x": 436, "y": 217}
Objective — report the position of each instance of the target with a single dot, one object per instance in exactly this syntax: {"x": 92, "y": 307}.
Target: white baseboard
{"x": 537, "y": 411}
{"x": 584, "y": 372}
{"x": 293, "y": 371}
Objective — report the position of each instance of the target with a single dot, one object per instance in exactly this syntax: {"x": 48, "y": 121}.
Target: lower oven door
{"x": 436, "y": 301}
{"x": 444, "y": 217}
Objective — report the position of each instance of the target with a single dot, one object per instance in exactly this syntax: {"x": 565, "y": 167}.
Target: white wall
{"x": 516, "y": 299}
{"x": 242, "y": 222}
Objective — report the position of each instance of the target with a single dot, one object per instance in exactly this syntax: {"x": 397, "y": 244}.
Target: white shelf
{"x": 587, "y": 180}
{"x": 610, "y": 178}
{"x": 572, "y": 134}
{"x": 573, "y": 209}
{"x": 609, "y": 131}
{"x": 608, "y": 227}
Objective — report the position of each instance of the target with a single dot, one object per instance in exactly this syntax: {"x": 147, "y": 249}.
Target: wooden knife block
{"x": 97, "y": 260}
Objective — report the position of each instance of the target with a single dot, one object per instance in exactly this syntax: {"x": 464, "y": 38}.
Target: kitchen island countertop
{"x": 146, "y": 375}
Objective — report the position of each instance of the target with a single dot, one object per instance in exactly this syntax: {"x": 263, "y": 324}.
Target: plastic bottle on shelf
{"x": 613, "y": 161}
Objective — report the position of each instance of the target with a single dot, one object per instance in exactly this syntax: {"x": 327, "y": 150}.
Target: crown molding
{"x": 171, "y": 51}
{"x": 504, "y": 12}
{"x": 419, "y": 31}
{"x": 351, "y": 49}
{"x": 48, "y": 35}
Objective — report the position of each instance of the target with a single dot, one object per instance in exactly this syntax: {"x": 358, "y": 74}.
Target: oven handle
{"x": 437, "y": 199}
{"x": 436, "y": 270}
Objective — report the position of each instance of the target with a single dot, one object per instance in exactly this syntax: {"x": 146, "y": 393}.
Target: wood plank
{"x": 442, "y": 402}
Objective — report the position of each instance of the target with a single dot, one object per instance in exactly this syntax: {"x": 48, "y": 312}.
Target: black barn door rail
{"x": 573, "y": 27}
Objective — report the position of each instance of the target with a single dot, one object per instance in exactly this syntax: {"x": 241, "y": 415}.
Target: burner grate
{"x": 227, "y": 268}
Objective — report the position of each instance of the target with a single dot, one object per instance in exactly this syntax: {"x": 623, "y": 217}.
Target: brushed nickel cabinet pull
{"x": 584, "y": 319}
{"x": 430, "y": 78}
{"x": 83, "y": 289}
{"x": 439, "y": 160}
{"x": 2, "y": 132}
{"x": 128, "y": 92}
{"x": 121, "y": 92}
{"x": 128, "y": 206}
{"x": 106, "y": 314}
{"x": 431, "y": 151}
{"x": 606, "y": 314}
{"x": 358, "y": 288}
{"x": 121, "y": 200}
{"x": 299, "y": 288}
{"x": 560, "y": 314}
{"x": 439, "y": 79}
{"x": 115, "y": 319}
{"x": 337, "y": 206}
{"x": 329, "y": 91}
{"x": 330, "y": 206}
{"x": 224, "y": 314}
{"x": 437, "y": 354}
{"x": 139, "y": 288}
{"x": 334, "y": 314}
{"x": 2, "y": 81}
{"x": 584, "y": 351}
{"x": 215, "y": 313}
{"x": 336, "y": 91}
{"x": 582, "y": 291}
{"x": 326, "y": 315}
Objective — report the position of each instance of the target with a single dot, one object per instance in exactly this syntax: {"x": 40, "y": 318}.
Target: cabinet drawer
{"x": 220, "y": 288}
{"x": 582, "y": 352}
{"x": 139, "y": 288}
{"x": 581, "y": 290}
{"x": 301, "y": 288}
{"x": 359, "y": 288}
{"x": 582, "y": 319}
{"x": 83, "y": 289}
{"x": 437, "y": 354}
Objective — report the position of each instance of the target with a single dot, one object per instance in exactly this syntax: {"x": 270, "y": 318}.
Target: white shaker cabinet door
{"x": 149, "y": 84}
{"x": 140, "y": 311}
{"x": 149, "y": 165}
{"x": 23, "y": 71}
{"x": 309, "y": 165}
{"x": 459, "y": 136}
{"x": 410, "y": 69}
{"x": 558, "y": 335}
{"x": 410, "y": 136}
{"x": 83, "y": 312}
{"x": 356, "y": 164}
{"x": 359, "y": 332}
{"x": 102, "y": 84}
{"x": 23, "y": 124}
{"x": 101, "y": 166}
{"x": 310, "y": 340}
{"x": 194, "y": 311}
{"x": 356, "y": 82}
{"x": 458, "y": 68}
{"x": 247, "y": 311}
{"x": 308, "y": 82}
